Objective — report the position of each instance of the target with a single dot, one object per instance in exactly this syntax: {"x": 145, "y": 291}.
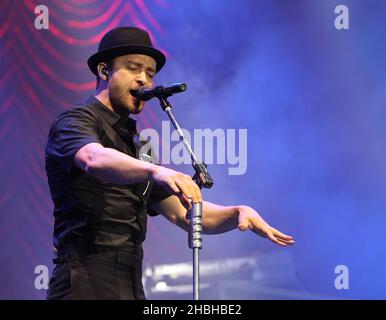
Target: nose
{"x": 141, "y": 78}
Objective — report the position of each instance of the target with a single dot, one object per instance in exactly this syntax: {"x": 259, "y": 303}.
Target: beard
{"x": 123, "y": 102}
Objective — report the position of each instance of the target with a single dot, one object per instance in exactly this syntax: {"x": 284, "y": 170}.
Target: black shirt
{"x": 104, "y": 213}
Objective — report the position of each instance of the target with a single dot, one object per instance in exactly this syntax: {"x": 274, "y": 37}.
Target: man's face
{"x": 130, "y": 72}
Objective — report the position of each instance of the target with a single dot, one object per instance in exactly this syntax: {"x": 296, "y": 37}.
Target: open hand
{"x": 250, "y": 219}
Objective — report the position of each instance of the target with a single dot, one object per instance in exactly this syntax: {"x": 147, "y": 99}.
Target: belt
{"x": 81, "y": 250}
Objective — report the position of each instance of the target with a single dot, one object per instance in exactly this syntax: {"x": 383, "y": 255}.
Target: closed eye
{"x": 136, "y": 68}
{"x": 133, "y": 67}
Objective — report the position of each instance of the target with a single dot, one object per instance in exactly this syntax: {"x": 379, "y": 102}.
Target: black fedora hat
{"x": 125, "y": 40}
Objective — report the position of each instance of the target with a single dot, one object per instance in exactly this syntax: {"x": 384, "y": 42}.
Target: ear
{"x": 103, "y": 73}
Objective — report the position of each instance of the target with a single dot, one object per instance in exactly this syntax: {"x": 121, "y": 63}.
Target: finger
{"x": 280, "y": 234}
{"x": 280, "y": 243}
{"x": 194, "y": 190}
{"x": 274, "y": 239}
{"x": 186, "y": 202}
{"x": 183, "y": 188}
{"x": 266, "y": 233}
{"x": 173, "y": 187}
{"x": 189, "y": 184}
{"x": 287, "y": 241}
{"x": 197, "y": 194}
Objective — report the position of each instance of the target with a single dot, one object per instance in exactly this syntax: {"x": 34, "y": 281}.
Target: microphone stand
{"x": 203, "y": 180}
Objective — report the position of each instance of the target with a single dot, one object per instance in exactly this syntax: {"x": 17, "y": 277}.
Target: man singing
{"x": 103, "y": 192}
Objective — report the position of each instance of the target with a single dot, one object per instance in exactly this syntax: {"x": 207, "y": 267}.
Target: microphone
{"x": 145, "y": 94}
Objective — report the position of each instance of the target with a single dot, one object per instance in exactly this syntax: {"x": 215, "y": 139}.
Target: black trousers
{"x": 98, "y": 276}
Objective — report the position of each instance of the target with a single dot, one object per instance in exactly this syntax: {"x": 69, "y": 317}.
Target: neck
{"x": 103, "y": 96}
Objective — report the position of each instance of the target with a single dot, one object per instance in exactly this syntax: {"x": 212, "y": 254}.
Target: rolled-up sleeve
{"x": 70, "y": 132}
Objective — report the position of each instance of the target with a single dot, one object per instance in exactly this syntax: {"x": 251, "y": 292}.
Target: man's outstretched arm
{"x": 218, "y": 219}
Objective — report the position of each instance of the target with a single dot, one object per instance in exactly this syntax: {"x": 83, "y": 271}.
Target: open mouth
{"x": 133, "y": 93}
{"x": 133, "y": 96}
{"x": 136, "y": 102}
